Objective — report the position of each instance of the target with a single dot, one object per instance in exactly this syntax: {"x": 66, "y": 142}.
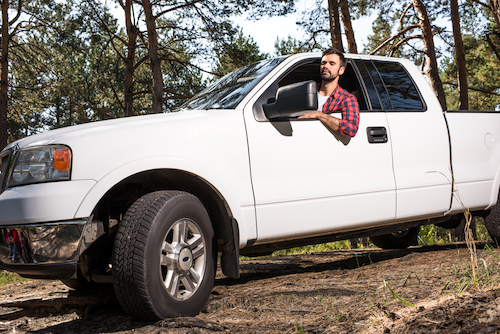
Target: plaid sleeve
{"x": 350, "y": 116}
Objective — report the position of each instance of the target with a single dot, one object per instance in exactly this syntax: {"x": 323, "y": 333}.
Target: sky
{"x": 265, "y": 31}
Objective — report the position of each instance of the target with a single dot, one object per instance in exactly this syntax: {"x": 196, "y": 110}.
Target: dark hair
{"x": 334, "y": 51}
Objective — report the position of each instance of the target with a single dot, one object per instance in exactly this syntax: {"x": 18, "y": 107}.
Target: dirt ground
{"x": 419, "y": 290}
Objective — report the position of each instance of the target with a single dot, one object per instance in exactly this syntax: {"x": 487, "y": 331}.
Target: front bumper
{"x": 43, "y": 202}
{"x": 48, "y": 250}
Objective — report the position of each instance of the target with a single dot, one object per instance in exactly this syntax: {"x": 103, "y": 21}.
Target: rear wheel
{"x": 163, "y": 256}
{"x": 492, "y": 222}
{"x": 397, "y": 240}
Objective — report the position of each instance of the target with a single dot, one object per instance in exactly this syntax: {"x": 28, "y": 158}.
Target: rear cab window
{"x": 389, "y": 86}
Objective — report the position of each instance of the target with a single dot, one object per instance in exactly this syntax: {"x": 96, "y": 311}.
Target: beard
{"x": 326, "y": 75}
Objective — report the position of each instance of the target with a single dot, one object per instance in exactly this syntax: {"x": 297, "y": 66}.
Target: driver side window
{"x": 307, "y": 71}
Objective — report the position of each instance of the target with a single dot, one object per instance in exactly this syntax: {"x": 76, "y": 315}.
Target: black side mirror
{"x": 293, "y": 100}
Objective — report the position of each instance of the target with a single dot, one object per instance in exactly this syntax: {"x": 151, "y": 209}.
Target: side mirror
{"x": 293, "y": 100}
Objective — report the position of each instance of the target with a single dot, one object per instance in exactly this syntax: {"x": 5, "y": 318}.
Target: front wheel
{"x": 164, "y": 256}
{"x": 397, "y": 240}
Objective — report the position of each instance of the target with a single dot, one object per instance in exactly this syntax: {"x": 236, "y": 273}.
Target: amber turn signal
{"x": 62, "y": 160}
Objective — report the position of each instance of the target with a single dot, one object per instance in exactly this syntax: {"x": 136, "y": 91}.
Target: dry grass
{"x": 343, "y": 291}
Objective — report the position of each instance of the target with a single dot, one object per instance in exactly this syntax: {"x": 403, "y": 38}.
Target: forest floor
{"x": 425, "y": 289}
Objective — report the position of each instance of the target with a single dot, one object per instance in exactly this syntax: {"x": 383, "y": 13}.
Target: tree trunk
{"x": 460, "y": 57}
{"x": 349, "y": 32}
{"x": 4, "y": 65}
{"x": 132, "y": 32}
{"x": 430, "y": 53}
{"x": 495, "y": 8}
{"x": 335, "y": 32}
{"x": 154, "y": 60}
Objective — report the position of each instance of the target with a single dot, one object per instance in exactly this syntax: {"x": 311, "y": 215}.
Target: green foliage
{"x": 382, "y": 29}
{"x": 241, "y": 51}
{"x": 434, "y": 235}
{"x": 483, "y": 69}
{"x": 326, "y": 247}
{"x": 67, "y": 60}
{"x": 396, "y": 296}
{"x": 7, "y": 277}
{"x": 62, "y": 71}
{"x": 289, "y": 45}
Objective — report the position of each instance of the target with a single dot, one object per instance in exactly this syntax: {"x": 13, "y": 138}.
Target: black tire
{"x": 492, "y": 223}
{"x": 165, "y": 238}
{"x": 397, "y": 240}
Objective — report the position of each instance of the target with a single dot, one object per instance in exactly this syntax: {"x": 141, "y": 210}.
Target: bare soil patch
{"x": 330, "y": 292}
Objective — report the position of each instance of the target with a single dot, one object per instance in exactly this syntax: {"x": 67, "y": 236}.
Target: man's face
{"x": 330, "y": 67}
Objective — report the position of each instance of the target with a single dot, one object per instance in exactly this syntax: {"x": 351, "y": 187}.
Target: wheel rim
{"x": 183, "y": 259}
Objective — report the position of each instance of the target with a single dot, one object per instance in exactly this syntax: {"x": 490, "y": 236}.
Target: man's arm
{"x": 330, "y": 122}
{"x": 349, "y": 123}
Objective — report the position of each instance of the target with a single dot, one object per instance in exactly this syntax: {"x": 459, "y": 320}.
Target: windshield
{"x": 228, "y": 91}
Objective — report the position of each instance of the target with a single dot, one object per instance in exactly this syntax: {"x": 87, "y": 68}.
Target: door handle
{"x": 376, "y": 135}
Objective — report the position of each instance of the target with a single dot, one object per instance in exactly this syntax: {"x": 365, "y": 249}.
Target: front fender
{"x": 238, "y": 194}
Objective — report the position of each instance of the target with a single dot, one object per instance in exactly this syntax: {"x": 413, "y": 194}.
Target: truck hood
{"x": 179, "y": 140}
{"x": 60, "y": 136}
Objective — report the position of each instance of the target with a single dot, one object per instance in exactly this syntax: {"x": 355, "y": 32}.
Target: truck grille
{"x": 4, "y": 165}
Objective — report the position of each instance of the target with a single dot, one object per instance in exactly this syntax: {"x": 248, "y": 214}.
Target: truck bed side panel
{"x": 475, "y": 152}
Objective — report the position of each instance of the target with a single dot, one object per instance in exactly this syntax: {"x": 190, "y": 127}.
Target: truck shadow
{"x": 269, "y": 267}
{"x": 69, "y": 312}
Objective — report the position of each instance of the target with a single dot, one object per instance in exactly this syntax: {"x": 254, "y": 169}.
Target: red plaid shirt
{"x": 343, "y": 101}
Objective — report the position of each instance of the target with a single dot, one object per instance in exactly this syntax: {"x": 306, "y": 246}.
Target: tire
{"x": 164, "y": 255}
{"x": 397, "y": 240}
{"x": 492, "y": 223}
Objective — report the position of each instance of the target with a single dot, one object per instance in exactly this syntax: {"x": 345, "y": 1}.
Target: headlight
{"x": 41, "y": 164}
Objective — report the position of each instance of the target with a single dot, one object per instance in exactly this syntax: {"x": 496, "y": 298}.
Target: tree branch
{"x": 187, "y": 4}
{"x": 175, "y": 95}
{"x": 390, "y": 39}
{"x": 404, "y": 40}
{"x": 99, "y": 110}
{"x": 492, "y": 46}
{"x": 313, "y": 37}
{"x": 403, "y": 15}
{"x": 481, "y": 3}
{"x": 470, "y": 88}
{"x": 19, "y": 5}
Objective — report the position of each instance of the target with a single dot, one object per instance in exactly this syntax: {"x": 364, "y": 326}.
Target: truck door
{"x": 310, "y": 181}
{"x": 419, "y": 137}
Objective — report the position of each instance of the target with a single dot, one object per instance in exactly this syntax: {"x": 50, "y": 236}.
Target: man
{"x": 333, "y": 98}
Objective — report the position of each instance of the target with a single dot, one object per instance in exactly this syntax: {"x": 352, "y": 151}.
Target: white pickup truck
{"x": 148, "y": 202}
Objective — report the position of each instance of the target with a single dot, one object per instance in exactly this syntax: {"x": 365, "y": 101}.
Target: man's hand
{"x": 314, "y": 114}
{"x": 329, "y": 121}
